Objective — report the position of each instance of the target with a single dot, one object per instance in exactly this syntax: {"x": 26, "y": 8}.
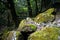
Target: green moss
{"x": 5, "y": 35}
{"x": 16, "y": 35}
{"x": 33, "y": 27}
{"x": 50, "y": 10}
{"x": 26, "y": 27}
{"x": 9, "y": 35}
{"x": 29, "y": 28}
{"x": 45, "y": 16}
{"x": 21, "y": 25}
{"x": 47, "y": 33}
{"x": 19, "y": 36}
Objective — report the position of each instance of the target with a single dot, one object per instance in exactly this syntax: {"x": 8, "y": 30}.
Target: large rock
{"x": 45, "y": 16}
{"x": 13, "y": 35}
{"x": 47, "y": 33}
{"x": 42, "y": 17}
{"x": 27, "y": 25}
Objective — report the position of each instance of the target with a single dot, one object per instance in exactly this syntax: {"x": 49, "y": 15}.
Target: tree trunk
{"x": 29, "y": 8}
{"x": 13, "y": 13}
{"x": 41, "y": 4}
{"x": 36, "y": 7}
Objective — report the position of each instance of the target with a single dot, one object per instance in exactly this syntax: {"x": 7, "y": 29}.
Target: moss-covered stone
{"x": 12, "y": 35}
{"x": 29, "y": 28}
{"x": 21, "y": 25}
{"x": 45, "y": 16}
{"x": 24, "y": 26}
{"x": 33, "y": 27}
{"x": 42, "y": 17}
{"x": 15, "y": 35}
{"x": 4, "y": 34}
{"x": 47, "y": 33}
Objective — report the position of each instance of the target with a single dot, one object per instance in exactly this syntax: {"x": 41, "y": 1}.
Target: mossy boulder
{"x": 13, "y": 35}
{"x": 29, "y": 28}
{"x": 47, "y": 33}
{"x": 4, "y": 34}
{"x": 21, "y": 25}
{"x": 45, "y": 16}
{"x": 26, "y": 26}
